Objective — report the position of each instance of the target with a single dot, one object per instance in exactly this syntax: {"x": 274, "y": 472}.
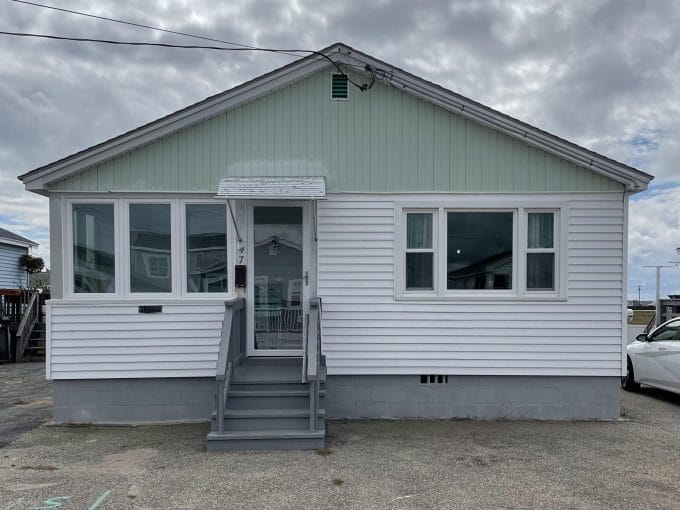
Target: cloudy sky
{"x": 604, "y": 74}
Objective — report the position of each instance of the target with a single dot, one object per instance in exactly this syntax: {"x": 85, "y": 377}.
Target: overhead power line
{"x": 361, "y": 87}
{"x": 140, "y": 25}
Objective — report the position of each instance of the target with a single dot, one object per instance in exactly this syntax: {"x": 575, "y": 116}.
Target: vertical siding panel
{"x": 182, "y": 181}
{"x": 221, "y": 140}
{"x": 380, "y": 140}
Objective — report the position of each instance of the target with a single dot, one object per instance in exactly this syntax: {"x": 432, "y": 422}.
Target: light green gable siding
{"x": 382, "y": 140}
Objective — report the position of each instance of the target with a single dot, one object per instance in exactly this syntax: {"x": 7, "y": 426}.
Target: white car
{"x": 654, "y": 359}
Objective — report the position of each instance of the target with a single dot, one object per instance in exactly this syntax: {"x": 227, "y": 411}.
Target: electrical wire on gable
{"x": 238, "y": 46}
{"x": 362, "y": 87}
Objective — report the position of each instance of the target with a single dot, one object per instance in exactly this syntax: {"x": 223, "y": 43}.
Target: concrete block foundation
{"x": 125, "y": 401}
{"x": 474, "y": 397}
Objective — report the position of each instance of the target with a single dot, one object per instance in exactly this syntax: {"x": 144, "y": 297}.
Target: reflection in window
{"x": 479, "y": 250}
{"x": 278, "y": 277}
{"x": 150, "y": 248}
{"x": 93, "y": 248}
{"x": 206, "y": 235}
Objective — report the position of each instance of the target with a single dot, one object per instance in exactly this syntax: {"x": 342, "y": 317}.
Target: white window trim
{"x": 519, "y": 291}
{"x": 400, "y": 264}
{"x": 184, "y": 261}
{"x": 67, "y": 250}
{"x": 174, "y": 241}
{"x": 557, "y": 242}
{"x": 121, "y": 218}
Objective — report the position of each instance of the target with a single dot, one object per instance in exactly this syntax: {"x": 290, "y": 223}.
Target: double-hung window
{"x": 541, "y": 253}
{"x": 419, "y": 257}
{"x": 457, "y": 252}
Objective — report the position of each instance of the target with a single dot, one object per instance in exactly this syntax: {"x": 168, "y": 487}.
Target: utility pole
{"x": 639, "y": 300}
{"x": 657, "y": 314}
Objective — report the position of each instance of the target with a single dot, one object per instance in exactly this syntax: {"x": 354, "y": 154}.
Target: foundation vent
{"x": 434, "y": 379}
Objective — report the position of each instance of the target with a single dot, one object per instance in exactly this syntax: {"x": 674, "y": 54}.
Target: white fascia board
{"x": 15, "y": 242}
{"x": 633, "y": 180}
{"x": 172, "y": 123}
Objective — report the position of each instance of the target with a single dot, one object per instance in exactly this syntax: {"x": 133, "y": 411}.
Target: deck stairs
{"x": 268, "y": 408}
{"x": 35, "y": 349}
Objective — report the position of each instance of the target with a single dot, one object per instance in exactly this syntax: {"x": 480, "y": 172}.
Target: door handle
{"x": 663, "y": 348}
{"x": 306, "y": 277}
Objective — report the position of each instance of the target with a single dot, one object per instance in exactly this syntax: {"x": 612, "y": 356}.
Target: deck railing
{"x": 311, "y": 359}
{"x": 29, "y": 319}
{"x": 231, "y": 353}
{"x": 13, "y": 303}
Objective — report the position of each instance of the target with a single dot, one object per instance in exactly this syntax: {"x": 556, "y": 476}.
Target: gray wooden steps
{"x": 268, "y": 408}
{"x": 265, "y": 440}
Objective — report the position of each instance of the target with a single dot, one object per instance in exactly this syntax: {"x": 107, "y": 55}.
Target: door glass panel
{"x": 277, "y": 247}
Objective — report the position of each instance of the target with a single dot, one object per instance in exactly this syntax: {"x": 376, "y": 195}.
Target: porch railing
{"x": 311, "y": 359}
{"x": 29, "y": 319}
{"x": 231, "y": 353}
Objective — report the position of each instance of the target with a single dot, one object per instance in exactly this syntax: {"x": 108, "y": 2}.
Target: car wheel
{"x": 628, "y": 381}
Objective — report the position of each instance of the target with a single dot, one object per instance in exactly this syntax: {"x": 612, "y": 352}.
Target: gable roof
{"x": 7, "y": 237}
{"x": 633, "y": 179}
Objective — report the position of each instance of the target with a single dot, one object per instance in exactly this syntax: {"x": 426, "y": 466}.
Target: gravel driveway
{"x": 632, "y": 463}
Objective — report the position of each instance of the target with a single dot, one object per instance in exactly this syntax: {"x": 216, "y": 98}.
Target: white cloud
{"x": 653, "y": 236}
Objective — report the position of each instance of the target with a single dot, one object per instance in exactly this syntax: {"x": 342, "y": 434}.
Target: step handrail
{"x": 313, "y": 359}
{"x": 29, "y": 319}
{"x": 231, "y": 352}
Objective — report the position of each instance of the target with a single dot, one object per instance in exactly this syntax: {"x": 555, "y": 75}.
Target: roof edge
{"x": 15, "y": 242}
{"x": 633, "y": 179}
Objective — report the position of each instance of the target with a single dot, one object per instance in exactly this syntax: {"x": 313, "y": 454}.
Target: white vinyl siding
{"x": 96, "y": 340}
{"x": 367, "y": 331}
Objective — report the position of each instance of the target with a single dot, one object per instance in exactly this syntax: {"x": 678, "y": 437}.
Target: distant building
{"x": 12, "y": 248}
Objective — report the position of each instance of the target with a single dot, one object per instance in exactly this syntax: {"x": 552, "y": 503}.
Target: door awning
{"x": 279, "y": 188}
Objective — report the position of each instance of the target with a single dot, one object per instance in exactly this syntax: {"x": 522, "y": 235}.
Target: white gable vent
{"x": 339, "y": 87}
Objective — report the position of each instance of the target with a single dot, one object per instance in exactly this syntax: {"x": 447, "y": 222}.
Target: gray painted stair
{"x": 268, "y": 409}
{"x": 35, "y": 348}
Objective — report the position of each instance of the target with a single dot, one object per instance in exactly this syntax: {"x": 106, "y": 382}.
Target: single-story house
{"x": 449, "y": 260}
{"x": 12, "y": 247}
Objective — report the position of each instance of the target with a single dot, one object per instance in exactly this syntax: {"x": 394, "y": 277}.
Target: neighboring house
{"x": 12, "y": 247}
{"x": 469, "y": 264}
{"x": 39, "y": 280}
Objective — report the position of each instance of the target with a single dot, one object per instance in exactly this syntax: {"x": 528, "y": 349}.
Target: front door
{"x": 278, "y": 279}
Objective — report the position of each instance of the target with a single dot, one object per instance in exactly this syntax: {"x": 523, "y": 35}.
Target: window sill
{"x": 481, "y": 297}
{"x": 140, "y": 300}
